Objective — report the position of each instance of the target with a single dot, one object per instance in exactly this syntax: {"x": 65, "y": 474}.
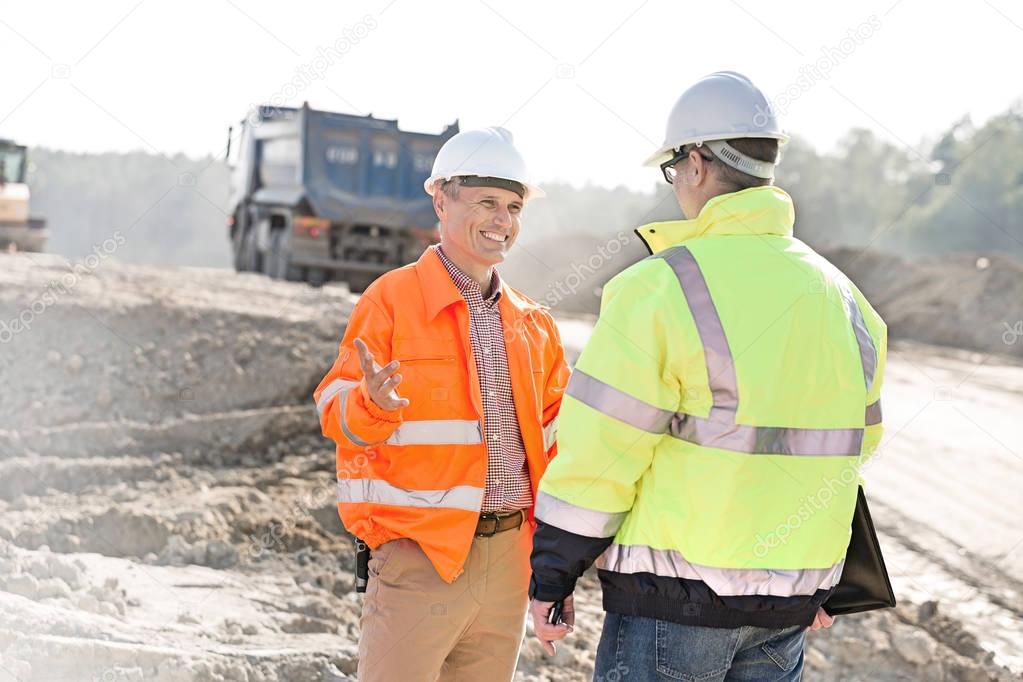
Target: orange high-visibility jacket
{"x": 419, "y": 472}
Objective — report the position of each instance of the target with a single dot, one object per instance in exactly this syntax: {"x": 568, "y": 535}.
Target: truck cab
{"x": 318, "y": 196}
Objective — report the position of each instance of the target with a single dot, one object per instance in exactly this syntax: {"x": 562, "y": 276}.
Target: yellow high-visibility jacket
{"x": 712, "y": 432}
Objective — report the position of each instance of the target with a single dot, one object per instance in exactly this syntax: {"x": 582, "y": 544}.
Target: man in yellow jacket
{"x": 712, "y": 432}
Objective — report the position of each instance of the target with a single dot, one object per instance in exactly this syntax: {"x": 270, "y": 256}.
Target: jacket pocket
{"x": 431, "y": 376}
{"x": 424, "y": 350}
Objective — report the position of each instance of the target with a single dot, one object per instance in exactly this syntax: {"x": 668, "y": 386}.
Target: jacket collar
{"x": 466, "y": 284}
{"x": 440, "y": 291}
{"x": 753, "y": 211}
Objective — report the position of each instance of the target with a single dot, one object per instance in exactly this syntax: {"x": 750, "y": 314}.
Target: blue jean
{"x": 635, "y": 649}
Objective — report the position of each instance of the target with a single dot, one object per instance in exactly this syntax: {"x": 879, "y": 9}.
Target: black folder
{"x": 864, "y": 585}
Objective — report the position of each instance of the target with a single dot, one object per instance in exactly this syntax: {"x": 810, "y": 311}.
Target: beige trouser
{"x": 417, "y": 627}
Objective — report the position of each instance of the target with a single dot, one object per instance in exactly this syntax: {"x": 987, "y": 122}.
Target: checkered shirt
{"x": 507, "y": 486}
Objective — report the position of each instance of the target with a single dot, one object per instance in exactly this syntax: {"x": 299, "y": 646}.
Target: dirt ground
{"x": 167, "y": 502}
{"x": 971, "y": 301}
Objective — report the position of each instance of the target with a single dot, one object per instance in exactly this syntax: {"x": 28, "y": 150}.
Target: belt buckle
{"x": 487, "y": 516}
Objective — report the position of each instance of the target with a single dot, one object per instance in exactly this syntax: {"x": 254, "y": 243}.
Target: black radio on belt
{"x": 361, "y": 565}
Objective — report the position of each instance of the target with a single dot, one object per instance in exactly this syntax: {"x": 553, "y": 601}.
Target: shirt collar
{"x": 469, "y": 287}
{"x": 756, "y": 210}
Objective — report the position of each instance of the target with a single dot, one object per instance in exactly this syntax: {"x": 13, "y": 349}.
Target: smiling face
{"x": 478, "y": 225}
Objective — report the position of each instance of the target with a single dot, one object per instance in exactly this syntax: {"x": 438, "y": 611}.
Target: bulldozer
{"x": 18, "y": 232}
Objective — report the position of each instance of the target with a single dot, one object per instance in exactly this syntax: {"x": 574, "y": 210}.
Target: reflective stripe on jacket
{"x": 420, "y": 472}
{"x": 713, "y": 429}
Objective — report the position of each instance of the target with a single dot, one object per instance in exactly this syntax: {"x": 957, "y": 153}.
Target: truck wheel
{"x": 237, "y": 246}
{"x": 248, "y": 259}
{"x": 276, "y": 266}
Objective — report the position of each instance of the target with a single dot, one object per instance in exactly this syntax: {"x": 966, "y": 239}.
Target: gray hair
{"x": 449, "y": 187}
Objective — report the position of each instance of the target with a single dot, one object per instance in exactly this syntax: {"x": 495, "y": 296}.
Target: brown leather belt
{"x": 491, "y": 524}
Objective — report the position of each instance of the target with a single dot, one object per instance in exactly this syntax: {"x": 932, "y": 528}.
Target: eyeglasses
{"x": 668, "y": 167}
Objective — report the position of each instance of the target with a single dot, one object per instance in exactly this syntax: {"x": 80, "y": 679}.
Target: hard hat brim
{"x": 667, "y": 151}
{"x": 532, "y": 191}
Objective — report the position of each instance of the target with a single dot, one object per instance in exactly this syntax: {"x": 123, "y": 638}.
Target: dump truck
{"x": 318, "y": 196}
{"x": 17, "y": 230}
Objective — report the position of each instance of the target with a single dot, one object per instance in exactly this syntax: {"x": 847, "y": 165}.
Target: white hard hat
{"x": 487, "y": 154}
{"x": 722, "y": 106}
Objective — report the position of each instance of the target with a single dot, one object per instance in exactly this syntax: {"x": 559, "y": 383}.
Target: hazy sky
{"x": 585, "y": 86}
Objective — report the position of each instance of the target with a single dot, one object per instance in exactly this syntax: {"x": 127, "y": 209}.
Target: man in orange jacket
{"x": 443, "y": 402}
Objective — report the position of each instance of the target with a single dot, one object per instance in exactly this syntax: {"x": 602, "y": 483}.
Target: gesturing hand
{"x": 379, "y": 382}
